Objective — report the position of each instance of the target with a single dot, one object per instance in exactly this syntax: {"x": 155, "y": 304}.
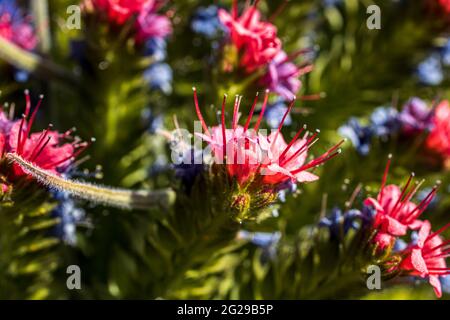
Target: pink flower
{"x": 253, "y": 158}
{"x": 119, "y": 11}
{"x": 255, "y": 39}
{"x": 438, "y": 141}
{"x": 150, "y": 25}
{"x": 282, "y": 76}
{"x": 427, "y": 257}
{"x": 15, "y": 27}
{"x": 395, "y": 213}
{"x": 48, "y": 149}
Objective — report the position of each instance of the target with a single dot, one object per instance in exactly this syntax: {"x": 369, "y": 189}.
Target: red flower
{"x": 47, "y": 150}
{"x": 395, "y": 213}
{"x": 427, "y": 257}
{"x": 257, "y": 40}
{"x": 445, "y": 5}
{"x": 119, "y": 11}
{"x": 438, "y": 140}
{"x": 148, "y": 23}
{"x": 261, "y": 160}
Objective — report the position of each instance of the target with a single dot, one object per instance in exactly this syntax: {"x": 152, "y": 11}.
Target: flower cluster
{"x": 49, "y": 150}
{"x": 339, "y": 223}
{"x": 259, "y": 49}
{"x": 383, "y": 122}
{"x": 395, "y": 215}
{"x": 430, "y": 71}
{"x": 414, "y": 119}
{"x": 259, "y": 161}
{"x": 148, "y": 24}
{"x": 438, "y": 141}
{"x": 15, "y": 26}
{"x": 150, "y": 31}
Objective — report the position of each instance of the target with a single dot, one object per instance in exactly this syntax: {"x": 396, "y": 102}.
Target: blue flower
{"x": 284, "y": 188}
{"x": 430, "y": 71}
{"x": 21, "y": 75}
{"x": 206, "y": 21}
{"x": 156, "y": 47}
{"x": 445, "y": 282}
{"x": 360, "y": 136}
{"x": 384, "y": 121}
{"x": 268, "y": 241}
{"x": 445, "y": 53}
{"x": 331, "y": 3}
{"x": 159, "y": 76}
{"x": 189, "y": 166}
{"x": 339, "y": 224}
{"x": 400, "y": 245}
{"x": 69, "y": 216}
{"x": 274, "y": 114}
{"x": 153, "y": 121}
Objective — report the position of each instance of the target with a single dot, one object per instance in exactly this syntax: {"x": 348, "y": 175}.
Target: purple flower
{"x": 189, "y": 166}
{"x": 15, "y": 26}
{"x": 282, "y": 76}
{"x": 416, "y": 116}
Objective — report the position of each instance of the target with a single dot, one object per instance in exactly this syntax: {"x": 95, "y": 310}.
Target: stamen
{"x": 317, "y": 162}
{"x": 263, "y": 109}
{"x": 33, "y": 116}
{"x": 302, "y": 148}
{"x": 423, "y": 204}
{"x": 383, "y": 182}
{"x": 41, "y": 149}
{"x": 427, "y": 252}
{"x": 250, "y": 115}
{"x": 438, "y": 232}
{"x": 283, "y": 119}
{"x": 199, "y": 114}
{"x": 224, "y": 138}
{"x": 404, "y": 190}
{"x": 237, "y": 103}
{"x": 40, "y": 140}
{"x": 19, "y": 138}
{"x": 28, "y": 102}
{"x": 292, "y": 142}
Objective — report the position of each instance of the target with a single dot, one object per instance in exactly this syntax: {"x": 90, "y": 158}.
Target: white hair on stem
{"x": 114, "y": 197}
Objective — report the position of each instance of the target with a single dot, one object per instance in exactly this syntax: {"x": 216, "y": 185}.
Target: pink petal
{"x": 418, "y": 262}
{"x": 436, "y": 284}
